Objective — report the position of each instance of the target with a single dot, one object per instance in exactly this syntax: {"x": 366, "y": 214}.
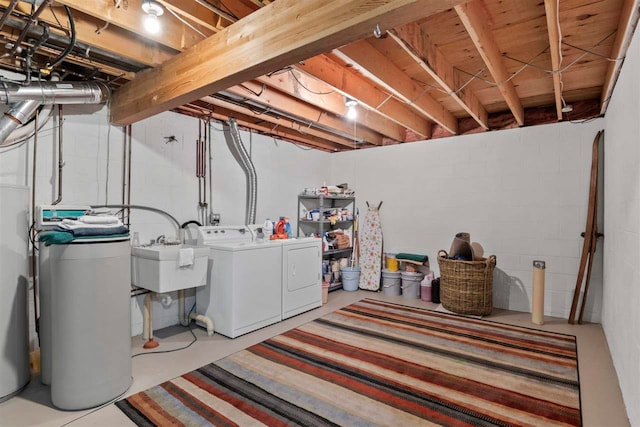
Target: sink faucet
{"x": 161, "y": 239}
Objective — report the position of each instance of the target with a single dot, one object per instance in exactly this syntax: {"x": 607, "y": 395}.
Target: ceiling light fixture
{"x": 152, "y": 10}
{"x": 351, "y": 103}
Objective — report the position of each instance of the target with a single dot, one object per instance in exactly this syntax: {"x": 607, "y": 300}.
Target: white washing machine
{"x": 244, "y": 290}
{"x": 301, "y": 275}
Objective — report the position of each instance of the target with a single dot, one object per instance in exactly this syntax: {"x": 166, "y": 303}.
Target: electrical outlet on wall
{"x": 214, "y": 219}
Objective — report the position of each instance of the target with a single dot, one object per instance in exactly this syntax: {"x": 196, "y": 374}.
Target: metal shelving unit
{"x": 320, "y": 227}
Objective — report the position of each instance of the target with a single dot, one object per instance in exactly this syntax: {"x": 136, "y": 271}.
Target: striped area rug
{"x": 379, "y": 363}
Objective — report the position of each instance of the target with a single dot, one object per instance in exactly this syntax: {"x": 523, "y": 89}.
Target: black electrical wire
{"x": 70, "y": 46}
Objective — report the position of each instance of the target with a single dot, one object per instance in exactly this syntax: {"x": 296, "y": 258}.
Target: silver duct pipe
{"x": 27, "y": 99}
{"x": 90, "y": 92}
{"x": 23, "y": 133}
{"x": 240, "y": 153}
{"x": 16, "y": 116}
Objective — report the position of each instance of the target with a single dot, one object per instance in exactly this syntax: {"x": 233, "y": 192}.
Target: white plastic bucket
{"x": 391, "y": 282}
{"x": 411, "y": 284}
{"x": 350, "y": 278}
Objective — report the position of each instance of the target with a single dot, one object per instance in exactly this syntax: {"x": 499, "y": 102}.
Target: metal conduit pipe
{"x": 240, "y": 152}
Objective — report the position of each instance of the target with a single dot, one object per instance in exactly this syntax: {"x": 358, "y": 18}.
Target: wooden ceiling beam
{"x": 321, "y": 95}
{"x": 553, "y": 22}
{"x": 174, "y": 34}
{"x": 282, "y": 33}
{"x": 284, "y": 122}
{"x": 194, "y": 12}
{"x": 279, "y": 101}
{"x": 201, "y": 109}
{"x": 475, "y": 20}
{"x": 418, "y": 45}
{"x": 379, "y": 68}
{"x": 350, "y": 84}
{"x": 626, "y": 27}
{"x": 112, "y": 39}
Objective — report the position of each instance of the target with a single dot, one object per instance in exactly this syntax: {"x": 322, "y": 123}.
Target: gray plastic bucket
{"x": 391, "y": 282}
{"x": 350, "y": 278}
{"x": 411, "y": 284}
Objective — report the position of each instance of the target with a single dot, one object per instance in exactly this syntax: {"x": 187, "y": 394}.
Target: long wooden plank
{"x": 280, "y": 34}
{"x": 588, "y": 234}
{"x": 553, "y": 22}
{"x": 628, "y": 21}
{"x": 375, "y": 65}
{"x": 475, "y": 20}
{"x": 418, "y": 45}
{"x": 324, "y": 68}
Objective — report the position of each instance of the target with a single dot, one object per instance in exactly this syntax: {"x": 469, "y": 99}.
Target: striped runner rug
{"x": 379, "y": 363}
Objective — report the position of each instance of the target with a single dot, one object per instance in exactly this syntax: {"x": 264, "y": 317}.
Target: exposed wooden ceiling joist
{"x": 375, "y": 65}
{"x": 286, "y": 31}
{"x": 628, "y": 22}
{"x": 312, "y": 115}
{"x": 321, "y": 95}
{"x": 475, "y": 20}
{"x": 112, "y": 38}
{"x": 354, "y": 86}
{"x": 417, "y": 44}
{"x": 285, "y": 122}
{"x": 174, "y": 35}
{"x": 553, "y": 22}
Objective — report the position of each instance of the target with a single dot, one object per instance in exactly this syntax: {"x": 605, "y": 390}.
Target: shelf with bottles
{"x": 319, "y": 214}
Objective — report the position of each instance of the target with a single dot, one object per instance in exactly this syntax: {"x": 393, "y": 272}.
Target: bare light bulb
{"x": 352, "y": 113}
{"x": 151, "y": 23}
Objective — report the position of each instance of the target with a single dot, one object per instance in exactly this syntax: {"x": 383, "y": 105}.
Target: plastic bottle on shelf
{"x": 267, "y": 229}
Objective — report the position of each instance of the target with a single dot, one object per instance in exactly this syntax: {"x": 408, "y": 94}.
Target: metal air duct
{"x": 25, "y": 101}
{"x": 240, "y": 153}
{"x": 91, "y": 92}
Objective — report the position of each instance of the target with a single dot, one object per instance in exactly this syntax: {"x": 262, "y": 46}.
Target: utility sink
{"x": 158, "y": 267}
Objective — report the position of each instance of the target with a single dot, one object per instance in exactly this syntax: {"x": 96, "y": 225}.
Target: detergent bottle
{"x": 267, "y": 229}
{"x": 287, "y": 228}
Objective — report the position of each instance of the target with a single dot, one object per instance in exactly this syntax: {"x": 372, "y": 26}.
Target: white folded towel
{"x": 71, "y": 224}
{"x": 186, "y": 257}
{"x": 99, "y": 219}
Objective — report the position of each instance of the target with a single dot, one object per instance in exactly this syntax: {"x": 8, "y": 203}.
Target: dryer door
{"x": 301, "y": 285}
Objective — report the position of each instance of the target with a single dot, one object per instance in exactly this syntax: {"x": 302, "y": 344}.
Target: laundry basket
{"x": 466, "y": 287}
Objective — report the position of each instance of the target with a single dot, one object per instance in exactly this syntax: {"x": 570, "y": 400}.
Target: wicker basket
{"x": 466, "y": 287}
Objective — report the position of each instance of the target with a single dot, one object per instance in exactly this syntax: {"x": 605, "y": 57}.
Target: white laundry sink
{"x": 161, "y": 268}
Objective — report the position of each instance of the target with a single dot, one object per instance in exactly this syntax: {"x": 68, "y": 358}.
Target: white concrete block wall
{"x": 621, "y": 298}
{"x": 521, "y": 193}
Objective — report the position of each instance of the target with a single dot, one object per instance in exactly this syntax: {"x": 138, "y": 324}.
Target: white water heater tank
{"x": 14, "y": 290}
